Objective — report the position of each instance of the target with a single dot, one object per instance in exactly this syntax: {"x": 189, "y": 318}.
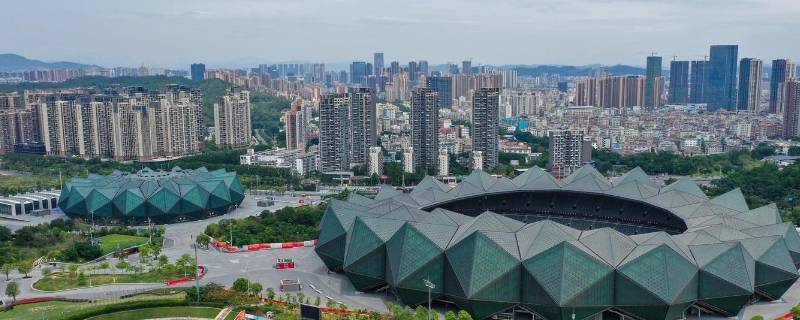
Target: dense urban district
{"x": 402, "y": 191}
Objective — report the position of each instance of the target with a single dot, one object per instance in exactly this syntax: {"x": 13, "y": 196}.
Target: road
{"x": 225, "y": 268}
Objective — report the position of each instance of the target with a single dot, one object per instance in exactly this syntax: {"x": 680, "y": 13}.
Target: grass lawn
{"x": 61, "y": 281}
{"x": 61, "y": 309}
{"x": 161, "y": 312}
{"x": 109, "y": 243}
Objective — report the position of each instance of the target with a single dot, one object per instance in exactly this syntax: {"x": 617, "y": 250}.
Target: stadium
{"x": 563, "y": 249}
{"x": 147, "y": 195}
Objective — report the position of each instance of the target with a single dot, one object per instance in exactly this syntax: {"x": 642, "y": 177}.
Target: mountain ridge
{"x": 10, "y": 62}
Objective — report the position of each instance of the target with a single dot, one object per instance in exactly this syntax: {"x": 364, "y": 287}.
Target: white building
{"x": 408, "y": 160}
{"x": 444, "y": 163}
{"x": 375, "y": 161}
{"x": 477, "y": 160}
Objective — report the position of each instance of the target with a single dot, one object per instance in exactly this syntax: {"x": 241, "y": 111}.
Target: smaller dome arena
{"x": 148, "y": 195}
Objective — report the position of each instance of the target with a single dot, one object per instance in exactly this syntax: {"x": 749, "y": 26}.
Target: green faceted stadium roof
{"x": 487, "y": 262}
{"x": 150, "y": 193}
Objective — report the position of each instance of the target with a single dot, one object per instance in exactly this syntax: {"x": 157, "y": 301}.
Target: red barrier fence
{"x": 202, "y": 271}
{"x": 241, "y": 316}
{"x": 32, "y": 300}
{"x": 225, "y": 247}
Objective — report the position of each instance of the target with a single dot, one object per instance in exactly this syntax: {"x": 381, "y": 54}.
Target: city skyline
{"x": 538, "y": 30}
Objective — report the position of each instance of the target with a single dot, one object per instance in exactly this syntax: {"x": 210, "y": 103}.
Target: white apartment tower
{"x": 232, "y": 125}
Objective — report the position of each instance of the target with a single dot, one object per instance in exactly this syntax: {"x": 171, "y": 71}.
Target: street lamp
{"x": 430, "y": 286}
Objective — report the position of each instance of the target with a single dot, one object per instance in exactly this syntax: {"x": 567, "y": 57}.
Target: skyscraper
{"x": 363, "y": 125}
{"x": 295, "y": 126}
{"x": 412, "y": 71}
{"x": 232, "y": 125}
{"x": 359, "y": 70}
{"x": 394, "y": 69}
{"x": 721, "y": 88}
{"x": 198, "y": 71}
{"x": 377, "y": 63}
{"x": 425, "y": 128}
{"x": 444, "y": 87}
{"x": 783, "y": 70}
{"x": 485, "y": 115}
{"x": 423, "y": 67}
{"x": 698, "y": 81}
{"x": 791, "y": 110}
{"x": 334, "y": 132}
{"x": 750, "y": 71}
{"x": 679, "y": 82}
{"x": 652, "y": 87}
{"x": 466, "y": 67}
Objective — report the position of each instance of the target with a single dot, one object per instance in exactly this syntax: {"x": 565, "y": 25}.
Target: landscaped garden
{"x": 112, "y": 242}
{"x": 162, "y": 312}
{"x": 157, "y": 270}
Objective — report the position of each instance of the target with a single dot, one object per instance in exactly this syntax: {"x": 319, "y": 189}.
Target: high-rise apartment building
{"x": 791, "y": 113}
{"x": 423, "y": 67}
{"x": 721, "y": 88}
{"x": 611, "y": 92}
{"x": 568, "y": 152}
{"x": 444, "y": 87}
{"x": 129, "y": 124}
{"x": 678, "y": 82}
{"x": 377, "y": 64}
{"x": 425, "y": 128}
{"x": 698, "y": 81}
{"x": 375, "y": 161}
{"x": 408, "y": 160}
{"x": 466, "y": 67}
{"x": 444, "y": 163}
{"x": 16, "y": 122}
{"x": 477, "y": 160}
{"x": 232, "y": 125}
{"x": 652, "y": 94}
{"x": 295, "y": 126}
{"x": 750, "y": 71}
{"x": 198, "y": 71}
{"x": 359, "y": 71}
{"x": 348, "y": 129}
{"x": 485, "y": 115}
{"x": 783, "y": 70}
{"x": 334, "y": 132}
{"x": 413, "y": 71}
{"x": 394, "y": 69}
{"x": 363, "y": 124}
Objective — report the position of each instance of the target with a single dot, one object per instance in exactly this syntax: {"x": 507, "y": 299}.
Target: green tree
{"x": 450, "y": 315}
{"x": 317, "y": 301}
{"x": 12, "y": 290}
{"x": 25, "y": 267}
{"x": 104, "y": 265}
{"x": 241, "y": 285}
{"x": 6, "y": 268}
{"x": 122, "y": 265}
{"x": 203, "y": 240}
{"x": 464, "y": 315}
{"x": 795, "y": 311}
{"x": 256, "y": 288}
{"x": 421, "y": 313}
{"x": 757, "y": 317}
{"x": 271, "y": 293}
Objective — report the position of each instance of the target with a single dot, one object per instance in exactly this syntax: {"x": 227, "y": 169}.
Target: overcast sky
{"x": 174, "y": 33}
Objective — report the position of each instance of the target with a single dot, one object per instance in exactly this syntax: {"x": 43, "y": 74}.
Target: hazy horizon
{"x": 239, "y": 33}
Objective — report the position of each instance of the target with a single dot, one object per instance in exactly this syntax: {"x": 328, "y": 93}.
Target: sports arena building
{"x": 563, "y": 249}
{"x": 160, "y": 196}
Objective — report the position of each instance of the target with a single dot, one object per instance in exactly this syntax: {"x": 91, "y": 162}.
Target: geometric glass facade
{"x": 715, "y": 254}
{"x": 160, "y": 196}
